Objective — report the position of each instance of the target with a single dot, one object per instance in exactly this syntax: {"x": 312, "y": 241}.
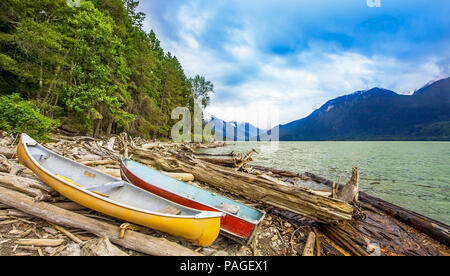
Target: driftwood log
{"x": 101, "y": 247}
{"x": 349, "y": 192}
{"x": 282, "y": 195}
{"x": 180, "y": 176}
{"x": 132, "y": 240}
{"x": 309, "y": 246}
{"x": 40, "y": 242}
{"x": 5, "y": 165}
{"x": 8, "y": 152}
{"x": 350, "y": 243}
{"x": 429, "y": 226}
{"x": 32, "y": 187}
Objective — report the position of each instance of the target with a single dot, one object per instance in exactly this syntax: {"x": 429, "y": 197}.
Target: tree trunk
{"x": 109, "y": 128}
{"x": 97, "y": 125}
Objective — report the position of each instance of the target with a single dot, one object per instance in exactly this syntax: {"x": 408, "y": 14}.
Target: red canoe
{"x": 240, "y": 221}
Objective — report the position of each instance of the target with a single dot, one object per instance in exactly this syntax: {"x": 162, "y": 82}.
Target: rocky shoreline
{"x": 376, "y": 229}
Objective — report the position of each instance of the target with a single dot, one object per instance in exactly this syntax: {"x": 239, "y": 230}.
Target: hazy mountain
{"x": 242, "y": 131}
{"x": 378, "y": 114}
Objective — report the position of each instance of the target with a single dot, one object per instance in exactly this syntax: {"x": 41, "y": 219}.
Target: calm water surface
{"x": 414, "y": 175}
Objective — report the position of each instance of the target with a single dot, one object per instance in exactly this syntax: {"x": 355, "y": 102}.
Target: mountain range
{"x": 234, "y": 131}
{"x": 375, "y": 114}
{"x": 378, "y": 114}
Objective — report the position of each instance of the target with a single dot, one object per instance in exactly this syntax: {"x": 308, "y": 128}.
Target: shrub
{"x": 20, "y": 116}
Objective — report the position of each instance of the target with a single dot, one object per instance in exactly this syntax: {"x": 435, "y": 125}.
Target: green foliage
{"x": 92, "y": 67}
{"x": 100, "y": 70}
{"x": 20, "y": 116}
{"x": 437, "y": 130}
{"x": 202, "y": 89}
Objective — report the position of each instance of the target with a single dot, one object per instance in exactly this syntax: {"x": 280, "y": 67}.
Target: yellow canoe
{"x": 117, "y": 198}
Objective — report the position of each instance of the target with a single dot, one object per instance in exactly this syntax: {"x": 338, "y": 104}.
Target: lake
{"x": 414, "y": 175}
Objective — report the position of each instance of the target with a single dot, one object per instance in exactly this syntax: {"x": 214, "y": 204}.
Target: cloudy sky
{"x": 285, "y": 58}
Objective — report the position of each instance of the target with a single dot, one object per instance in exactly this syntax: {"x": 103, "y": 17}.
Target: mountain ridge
{"x": 378, "y": 114}
{"x": 235, "y": 131}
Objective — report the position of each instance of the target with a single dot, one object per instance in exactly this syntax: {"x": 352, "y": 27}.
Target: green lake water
{"x": 414, "y": 175}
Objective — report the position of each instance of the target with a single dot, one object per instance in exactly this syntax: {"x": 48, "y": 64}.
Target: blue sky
{"x": 285, "y": 58}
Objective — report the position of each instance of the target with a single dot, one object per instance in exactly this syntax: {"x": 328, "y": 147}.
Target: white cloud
{"x": 193, "y": 18}
{"x": 286, "y": 86}
{"x": 296, "y": 92}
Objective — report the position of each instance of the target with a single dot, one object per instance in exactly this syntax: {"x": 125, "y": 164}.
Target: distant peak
{"x": 371, "y": 91}
{"x": 379, "y": 89}
{"x": 442, "y": 82}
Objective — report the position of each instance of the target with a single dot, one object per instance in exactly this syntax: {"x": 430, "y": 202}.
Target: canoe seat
{"x": 169, "y": 209}
{"x": 106, "y": 187}
{"x": 98, "y": 189}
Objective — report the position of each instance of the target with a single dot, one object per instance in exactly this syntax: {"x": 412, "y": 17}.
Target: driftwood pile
{"x": 258, "y": 186}
{"x": 35, "y": 220}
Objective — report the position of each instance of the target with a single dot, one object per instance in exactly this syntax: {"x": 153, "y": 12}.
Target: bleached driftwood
{"x": 350, "y": 191}
{"x": 40, "y": 242}
{"x": 32, "y": 187}
{"x": 112, "y": 172}
{"x": 8, "y": 152}
{"x": 101, "y": 247}
{"x": 181, "y": 176}
{"x": 5, "y": 165}
{"x": 93, "y": 163}
{"x": 241, "y": 160}
{"x": 309, "y": 246}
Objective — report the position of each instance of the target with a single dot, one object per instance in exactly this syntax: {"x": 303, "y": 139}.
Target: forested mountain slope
{"x": 92, "y": 68}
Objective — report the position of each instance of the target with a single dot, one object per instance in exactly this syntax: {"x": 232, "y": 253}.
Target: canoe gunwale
{"x": 27, "y": 141}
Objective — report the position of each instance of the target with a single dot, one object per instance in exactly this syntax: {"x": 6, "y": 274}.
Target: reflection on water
{"x": 414, "y": 175}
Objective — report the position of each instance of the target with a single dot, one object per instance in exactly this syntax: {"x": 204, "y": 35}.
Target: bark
{"x": 109, "y": 128}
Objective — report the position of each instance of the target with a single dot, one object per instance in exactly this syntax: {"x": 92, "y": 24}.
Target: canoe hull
{"x": 202, "y": 231}
{"x": 232, "y": 226}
